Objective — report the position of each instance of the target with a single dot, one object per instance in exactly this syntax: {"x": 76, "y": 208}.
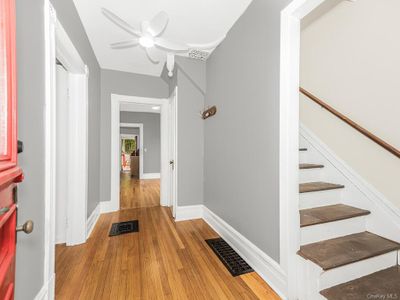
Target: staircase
{"x": 340, "y": 257}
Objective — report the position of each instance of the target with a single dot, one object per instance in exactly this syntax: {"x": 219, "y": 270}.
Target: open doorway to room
{"x": 152, "y": 176}
{"x": 140, "y": 155}
{"x": 129, "y": 149}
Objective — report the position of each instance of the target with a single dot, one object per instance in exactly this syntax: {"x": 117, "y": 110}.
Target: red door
{"x": 10, "y": 173}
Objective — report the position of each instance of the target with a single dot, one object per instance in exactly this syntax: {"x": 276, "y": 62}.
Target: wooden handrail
{"x": 368, "y": 134}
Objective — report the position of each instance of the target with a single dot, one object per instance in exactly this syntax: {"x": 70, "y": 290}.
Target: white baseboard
{"x": 47, "y": 290}
{"x": 92, "y": 220}
{"x": 264, "y": 265}
{"x": 189, "y": 212}
{"x": 151, "y": 176}
{"x": 107, "y": 207}
{"x": 60, "y": 239}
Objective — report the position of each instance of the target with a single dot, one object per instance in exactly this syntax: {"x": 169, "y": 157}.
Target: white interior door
{"x": 173, "y": 152}
{"x": 61, "y": 153}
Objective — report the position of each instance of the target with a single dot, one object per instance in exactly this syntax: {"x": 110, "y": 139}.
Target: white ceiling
{"x": 135, "y": 107}
{"x": 190, "y": 21}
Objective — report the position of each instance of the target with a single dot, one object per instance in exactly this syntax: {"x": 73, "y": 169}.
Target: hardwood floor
{"x": 135, "y": 193}
{"x": 165, "y": 260}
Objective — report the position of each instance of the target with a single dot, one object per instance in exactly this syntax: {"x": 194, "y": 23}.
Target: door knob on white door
{"x": 27, "y": 227}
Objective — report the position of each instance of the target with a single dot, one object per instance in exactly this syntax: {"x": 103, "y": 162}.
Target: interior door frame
{"x": 173, "y": 154}
{"x": 141, "y": 138}
{"x": 58, "y": 45}
{"x": 116, "y": 101}
{"x": 289, "y": 142}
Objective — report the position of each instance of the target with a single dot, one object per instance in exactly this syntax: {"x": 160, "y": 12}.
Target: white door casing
{"x": 173, "y": 157}
{"x": 289, "y": 140}
{"x": 116, "y": 100}
{"x": 61, "y": 150}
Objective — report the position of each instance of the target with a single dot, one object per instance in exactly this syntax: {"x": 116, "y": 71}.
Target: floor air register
{"x": 232, "y": 261}
{"x": 124, "y": 227}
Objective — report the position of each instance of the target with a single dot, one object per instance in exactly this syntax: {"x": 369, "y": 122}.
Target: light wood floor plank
{"x": 164, "y": 260}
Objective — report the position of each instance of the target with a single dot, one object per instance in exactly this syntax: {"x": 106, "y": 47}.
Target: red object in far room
{"x": 10, "y": 173}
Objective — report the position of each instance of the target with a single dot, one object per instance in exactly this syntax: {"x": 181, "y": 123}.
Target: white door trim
{"x": 50, "y": 20}
{"x": 141, "y": 138}
{"x": 289, "y": 139}
{"x": 173, "y": 138}
{"x": 116, "y": 100}
{"x": 58, "y": 45}
{"x": 128, "y": 136}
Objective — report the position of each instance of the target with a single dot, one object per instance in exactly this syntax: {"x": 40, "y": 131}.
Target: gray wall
{"x": 69, "y": 18}
{"x": 191, "y": 84}
{"x": 151, "y": 138}
{"x": 31, "y": 97}
{"x": 190, "y": 77}
{"x": 242, "y": 140}
{"x": 116, "y": 82}
{"x": 129, "y": 130}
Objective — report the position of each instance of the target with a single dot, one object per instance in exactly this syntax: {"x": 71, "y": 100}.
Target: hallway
{"x": 136, "y": 193}
{"x": 163, "y": 261}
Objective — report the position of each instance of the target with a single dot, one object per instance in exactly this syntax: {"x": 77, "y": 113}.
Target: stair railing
{"x": 362, "y": 130}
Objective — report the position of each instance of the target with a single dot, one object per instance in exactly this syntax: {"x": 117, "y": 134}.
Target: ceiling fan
{"x": 148, "y": 37}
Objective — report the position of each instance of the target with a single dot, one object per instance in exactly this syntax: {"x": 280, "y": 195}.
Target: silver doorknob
{"x": 27, "y": 227}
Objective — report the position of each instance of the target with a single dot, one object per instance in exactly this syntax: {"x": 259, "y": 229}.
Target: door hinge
{"x": 15, "y": 195}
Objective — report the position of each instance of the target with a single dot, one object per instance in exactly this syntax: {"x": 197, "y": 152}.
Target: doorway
{"x": 129, "y": 148}
{"x": 138, "y": 187}
{"x": 155, "y": 155}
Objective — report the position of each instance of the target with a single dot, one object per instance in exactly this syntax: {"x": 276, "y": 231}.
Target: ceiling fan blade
{"x": 125, "y": 44}
{"x": 144, "y": 26}
{"x": 120, "y": 23}
{"x": 158, "y": 23}
{"x": 153, "y": 55}
{"x": 171, "y": 46}
{"x": 207, "y": 46}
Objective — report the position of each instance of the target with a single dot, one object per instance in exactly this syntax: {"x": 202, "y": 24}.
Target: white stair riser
{"x": 382, "y": 221}
{"x": 310, "y": 175}
{"x": 356, "y": 270}
{"x": 322, "y": 198}
{"x": 303, "y": 157}
{"x": 316, "y": 233}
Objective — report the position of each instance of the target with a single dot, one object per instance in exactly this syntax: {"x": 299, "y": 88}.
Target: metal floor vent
{"x": 232, "y": 261}
{"x": 124, "y": 227}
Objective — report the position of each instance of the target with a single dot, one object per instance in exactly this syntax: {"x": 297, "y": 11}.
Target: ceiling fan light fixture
{"x": 146, "y": 41}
